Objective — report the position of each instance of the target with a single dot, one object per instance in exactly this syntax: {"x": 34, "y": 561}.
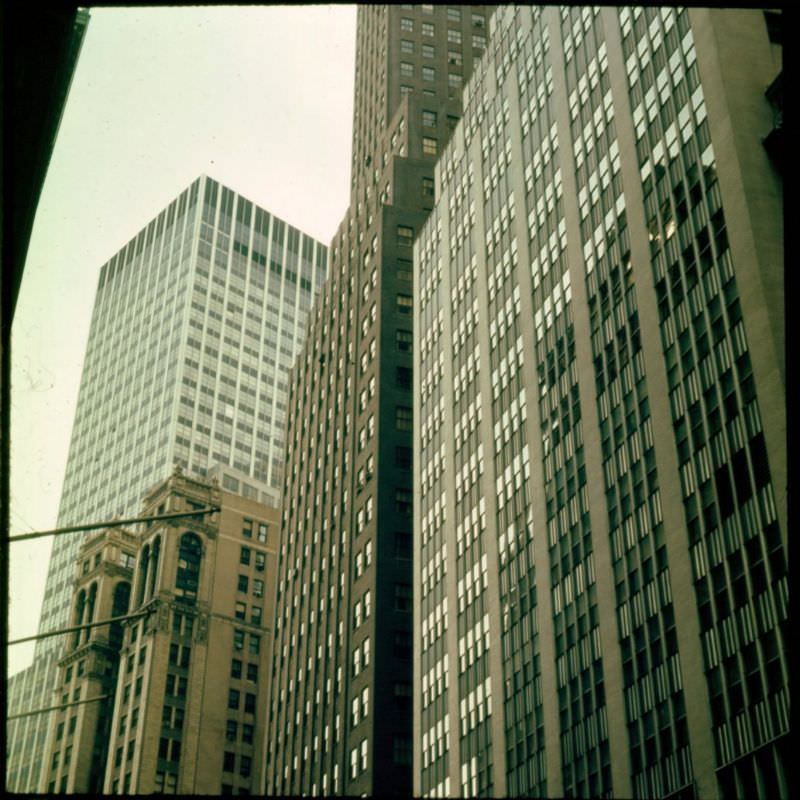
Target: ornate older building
{"x": 191, "y": 698}
{"x": 600, "y": 532}
{"x": 75, "y": 761}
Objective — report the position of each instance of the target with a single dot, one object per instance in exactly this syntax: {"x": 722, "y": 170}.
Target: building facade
{"x": 196, "y": 323}
{"x": 191, "y": 699}
{"x": 340, "y": 713}
{"x": 599, "y": 404}
{"x": 75, "y": 758}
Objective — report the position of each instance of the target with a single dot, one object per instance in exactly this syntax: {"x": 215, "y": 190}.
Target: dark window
{"x": 404, "y": 341}
{"x": 247, "y": 733}
{"x": 252, "y": 672}
{"x": 233, "y": 699}
{"x": 405, "y": 235}
{"x": 250, "y": 703}
{"x": 403, "y": 500}
{"x": 403, "y": 457}
{"x": 402, "y": 644}
{"x": 405, "y": 303}
{"x": 231, "y": 728}
{"x": 187, "y": 578}
{"x": 244, "y": 556}
{"x": 404, "y": 377}
{"x": 428, "y": 187}
{"x": 243, "y": 582}
{"x": 236, "y": 668}
{"x": 404, "y": 418}
{"x": 402, "y": 544}
{"x": 402, "y": 597}
{"x": 228, "y": 762}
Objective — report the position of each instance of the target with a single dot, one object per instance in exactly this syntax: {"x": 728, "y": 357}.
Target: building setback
{"x": 196, "y": 323}
{"x": 599, "y": 406}
{"x": 340, "y": 710}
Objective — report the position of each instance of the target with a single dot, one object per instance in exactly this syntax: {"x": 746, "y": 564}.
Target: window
{"x": 258, "y": 588}
{"x": 187, "y": 578}
{"x": 406, "y": 89}
{"x": 252, "y": 673}
{"x": 368, "y": 553}
{"x": 231, "y": 730}
{"x": 403, "y": 377}
{"x": 363, "y": 755}
{"x": 402, "y": 544}
{"x": 428, "y": 51}
{"x": 406, "y": 24}
{"x": 261, "y": 561}
{"x": 429, "y": 118}
{"x": 255, "y": 644}
{"x": 401, "y": 750}
{"x": 255, "y": 615}
{"x": 427, "y": 8}
{"x": 354, "y": 762}
{"x": 427, "y": 29}
{"x": 402, "y": 644}
{"x": 250, "y": 703}
{"x": 247, "y": 733}
{"x": 428, "y": 146}
{"x": 244, "y": 556}
{"x": 405, "y": 236}
{"x": 60, "y": 729}
{"x": 238, "y": 640}
{"x": 453, "y": 36}
{"x": 404, "y": 341}
{"x": 262, "y": 531}
{"x": 403, "y": 418}
{"x": 406, "y": 69}
{"x": 454, "y": 14}
{"x": 402, "y": 597}
{"x": 479, "y": 41}
{"x": 228, "y": 762}
{"x": 428, "y": 74}
{"x": 241, "y": 610}
{"x": 245, "y": 763}
{"x": 236, "y": 668}
{"x": 233, "y": 699}
{"x": 406, "y": 46}
{"x": 247, "y": 528}
{"x": 454, "y": 80}
{"x": 428, "y": 187}
{"x": 454, "y": 57}
{"x": 404, "y": 303}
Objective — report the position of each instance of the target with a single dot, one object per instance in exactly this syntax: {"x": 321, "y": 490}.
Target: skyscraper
{"x": 196, "y": 323}
{"x": 599, "y": 397}
{"x": 340, "y": 715}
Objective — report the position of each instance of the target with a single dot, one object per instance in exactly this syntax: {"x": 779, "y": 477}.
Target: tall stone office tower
{"x": 196, "y": 323}
{"x": 340, "y": 715}
{"x": 600, "y": 524}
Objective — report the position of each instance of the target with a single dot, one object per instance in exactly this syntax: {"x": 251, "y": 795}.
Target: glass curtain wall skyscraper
{"x": 600, "y": 536}
{"x": 340, "y": 716}
{"x": 196, "y": 324}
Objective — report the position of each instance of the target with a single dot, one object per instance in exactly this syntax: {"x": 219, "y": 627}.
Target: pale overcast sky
{"x": 259, "y": 98}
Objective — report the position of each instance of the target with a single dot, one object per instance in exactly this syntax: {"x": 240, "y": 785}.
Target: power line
{"x": 114, "y": 523}
{"x": 57, "y": 708}
{"x": 72, "y": 629}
